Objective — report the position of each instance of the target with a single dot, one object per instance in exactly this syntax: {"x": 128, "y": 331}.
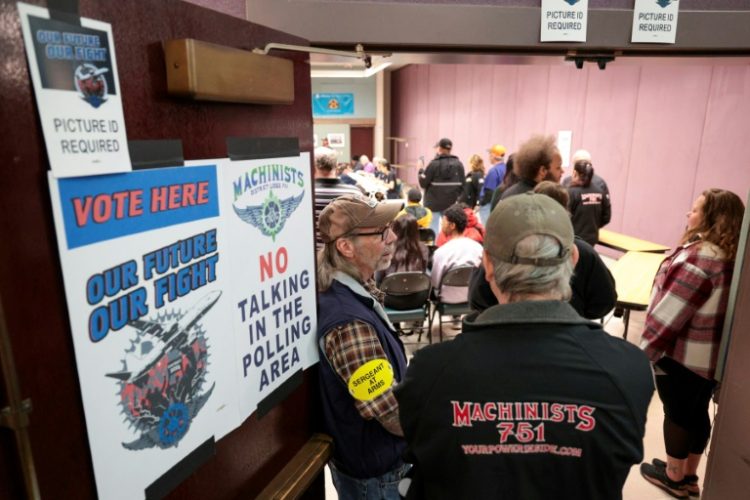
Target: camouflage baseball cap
{"x": 348, "y": 212}
{"x": 523, "y": 215}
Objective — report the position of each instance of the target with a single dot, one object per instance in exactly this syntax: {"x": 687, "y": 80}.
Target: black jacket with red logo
{"x": 530, "y": 402}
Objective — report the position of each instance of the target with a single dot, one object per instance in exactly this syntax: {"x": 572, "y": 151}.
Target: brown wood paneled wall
{"x": 729, "y": 458}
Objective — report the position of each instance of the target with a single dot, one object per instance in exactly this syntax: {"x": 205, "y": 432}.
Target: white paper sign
{"x": 268, "y": 211}
{"x": 78, "y": 95}
{"x": 147, "y": 285}
{"x": 191, "y": 296}
{"x": 564, "y": 139}
{"x": 564, "y": 20}
{"x": 655, "y": 21}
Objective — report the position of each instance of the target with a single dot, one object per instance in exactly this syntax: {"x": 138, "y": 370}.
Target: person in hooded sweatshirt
{"x": 474, "y": 228}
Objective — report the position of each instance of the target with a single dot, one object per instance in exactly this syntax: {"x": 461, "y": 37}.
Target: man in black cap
{"x": 531, "y": 400}
{"x": 442, "y": 181}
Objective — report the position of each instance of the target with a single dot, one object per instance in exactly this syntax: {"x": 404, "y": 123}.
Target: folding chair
{"x": 407, "y": 297}
{"x": 427, "y": 236}
{"x": 459, "y": 277}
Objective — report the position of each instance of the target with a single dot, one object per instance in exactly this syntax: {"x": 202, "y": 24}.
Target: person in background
{"x": 474, "y": 184}
{"x": 682, "y": 334}
{"x": 367, "y": 166}
{"x": 354, "y": 334}
{"x": 457, "y": 251}
{"x": 493, "y": 179}
{"x": 327, "y": 186}
{"x": 511, "y": 178}
{"x": 531, "y": 401}
{"x": 594, "y": 293}
{"x": 442, "y": 181}
{"x": 537, "y": 160}
{"x": 356, "y": 165}
{"x": 415, "y": 208}
{"x": 596, "y": 180}
{"x": 409, "y": 254}
{"x": 474, "y": 228}
{"x": 344, "y": 169}
{"x": 388, "y": 176}
{"x": 589, "y": 206}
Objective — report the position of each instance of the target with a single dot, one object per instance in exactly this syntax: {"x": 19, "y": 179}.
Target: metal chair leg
{"x": 440, "y": 321}
{"x": 626, "y": 320}
{"x": 425, "y": 317}
{"x": 431, "y": 317}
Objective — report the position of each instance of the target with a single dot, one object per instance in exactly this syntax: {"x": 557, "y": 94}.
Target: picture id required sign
{"x": 74, "y": 73}
{"x": 655, "y": 21}
{"x": 564, "y": 20}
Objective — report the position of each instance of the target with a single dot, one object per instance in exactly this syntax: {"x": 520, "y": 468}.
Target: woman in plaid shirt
{"x": 683, "y": 331}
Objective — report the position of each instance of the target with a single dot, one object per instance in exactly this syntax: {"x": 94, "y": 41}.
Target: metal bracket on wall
{"x": 16, "y": 418}
{"x": 209, "y": 72}
{"x": 601, "y": 59}
{"x": 16, "y": 415}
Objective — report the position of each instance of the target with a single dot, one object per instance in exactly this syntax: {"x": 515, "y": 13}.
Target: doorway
{"x": 362, "y": 140}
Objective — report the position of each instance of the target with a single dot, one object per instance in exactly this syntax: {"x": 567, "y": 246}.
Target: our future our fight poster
{"x": 145, "y": 271}
{"x": 191, "y": 297}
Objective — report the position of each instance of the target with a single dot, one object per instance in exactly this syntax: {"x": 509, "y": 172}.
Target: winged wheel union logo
{"x": 270, "y": 216}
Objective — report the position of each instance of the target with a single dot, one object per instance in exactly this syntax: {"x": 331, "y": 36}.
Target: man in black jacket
{"x": 537, "y": 160}
{"x": 594, "y": 293}
{"x": 531, "y": 401}
{"x": 442, "y": 181}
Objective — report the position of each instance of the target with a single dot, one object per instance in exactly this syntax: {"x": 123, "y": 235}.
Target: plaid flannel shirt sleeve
{"x": 685, "y": 289}
{"x": 348, "y": 347}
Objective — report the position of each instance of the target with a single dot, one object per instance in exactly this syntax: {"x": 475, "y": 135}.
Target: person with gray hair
{"x": 531, "y": 400}
{"x": 327, "y": 185}
{"x": 361, "y": 357}
{"x": 594, "y": 293}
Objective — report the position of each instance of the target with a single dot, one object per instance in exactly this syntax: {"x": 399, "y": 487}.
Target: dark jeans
{"x": 685, "y": 396}
{"x": 383, "y": 487}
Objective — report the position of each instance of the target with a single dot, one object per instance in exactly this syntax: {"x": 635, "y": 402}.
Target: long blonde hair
{"x": 476, "y": 163}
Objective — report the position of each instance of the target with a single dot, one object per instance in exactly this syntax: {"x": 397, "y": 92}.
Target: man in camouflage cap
{"x": 361, "y": 357}
{"x": 531, "y": 400}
